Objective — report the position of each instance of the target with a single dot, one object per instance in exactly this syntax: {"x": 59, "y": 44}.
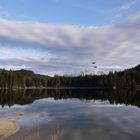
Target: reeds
{"x": 53, "y": 133}
{"x": 33, "y": 133}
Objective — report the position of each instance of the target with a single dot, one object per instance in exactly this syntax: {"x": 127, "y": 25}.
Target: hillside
{"x": 30, "y": 73}
{"x": 137, "y": 68}
{"x": 26, "y": 73}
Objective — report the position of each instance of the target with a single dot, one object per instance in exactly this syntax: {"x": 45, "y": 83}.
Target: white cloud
{"x": 72, "y": 48}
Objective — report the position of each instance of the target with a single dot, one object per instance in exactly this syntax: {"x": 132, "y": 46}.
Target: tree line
{"x": 23, "y": 79}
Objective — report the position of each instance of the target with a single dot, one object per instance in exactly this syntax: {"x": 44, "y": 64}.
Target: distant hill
{"x": 30, "y": 73}
{"x": 137, "y": 68}
{"x": 27, "y": 73}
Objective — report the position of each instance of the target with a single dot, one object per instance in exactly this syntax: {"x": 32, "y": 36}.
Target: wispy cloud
{"x": 4, "y": 12}
{"x": 127, "y": 5}
{"x": 124, "y": 9}
{"x": 69, "y": 48}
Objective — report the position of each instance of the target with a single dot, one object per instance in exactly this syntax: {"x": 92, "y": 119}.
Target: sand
{"x": 8, "y": 128}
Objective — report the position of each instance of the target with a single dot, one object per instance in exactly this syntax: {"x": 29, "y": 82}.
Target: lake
{"x": 84, "y": 114}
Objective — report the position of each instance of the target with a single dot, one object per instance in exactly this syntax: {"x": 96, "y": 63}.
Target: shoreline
{"x": 24, "y": 88}
{"x": 72, "y": 88}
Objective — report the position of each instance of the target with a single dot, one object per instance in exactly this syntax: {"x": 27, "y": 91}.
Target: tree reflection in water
{"x": 23, "y": 97}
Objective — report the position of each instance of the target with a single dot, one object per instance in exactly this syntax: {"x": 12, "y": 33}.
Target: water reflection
{"x": 73, "y": 114}
{"x": 23, "y": 97}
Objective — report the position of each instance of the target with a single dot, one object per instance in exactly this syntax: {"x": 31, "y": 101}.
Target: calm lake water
{"x": 73, "y": 114}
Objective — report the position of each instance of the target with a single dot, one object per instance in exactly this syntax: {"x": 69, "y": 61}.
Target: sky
{"x": 64, "y": 37}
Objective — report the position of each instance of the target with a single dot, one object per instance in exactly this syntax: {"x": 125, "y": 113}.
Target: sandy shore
{"x": 7, "y": 128}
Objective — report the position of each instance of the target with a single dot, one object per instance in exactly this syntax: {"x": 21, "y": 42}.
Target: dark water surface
{"x": 73, "y": 114}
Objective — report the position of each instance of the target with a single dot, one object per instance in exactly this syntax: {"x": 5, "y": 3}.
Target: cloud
{"x": 124, "y": 10}
{"x": 69, "y": 49}
{"x": 127, "y": 5}
{"x": 4, "y": 12}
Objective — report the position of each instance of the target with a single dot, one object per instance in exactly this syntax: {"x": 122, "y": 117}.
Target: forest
{"x": 128, "y": 78}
